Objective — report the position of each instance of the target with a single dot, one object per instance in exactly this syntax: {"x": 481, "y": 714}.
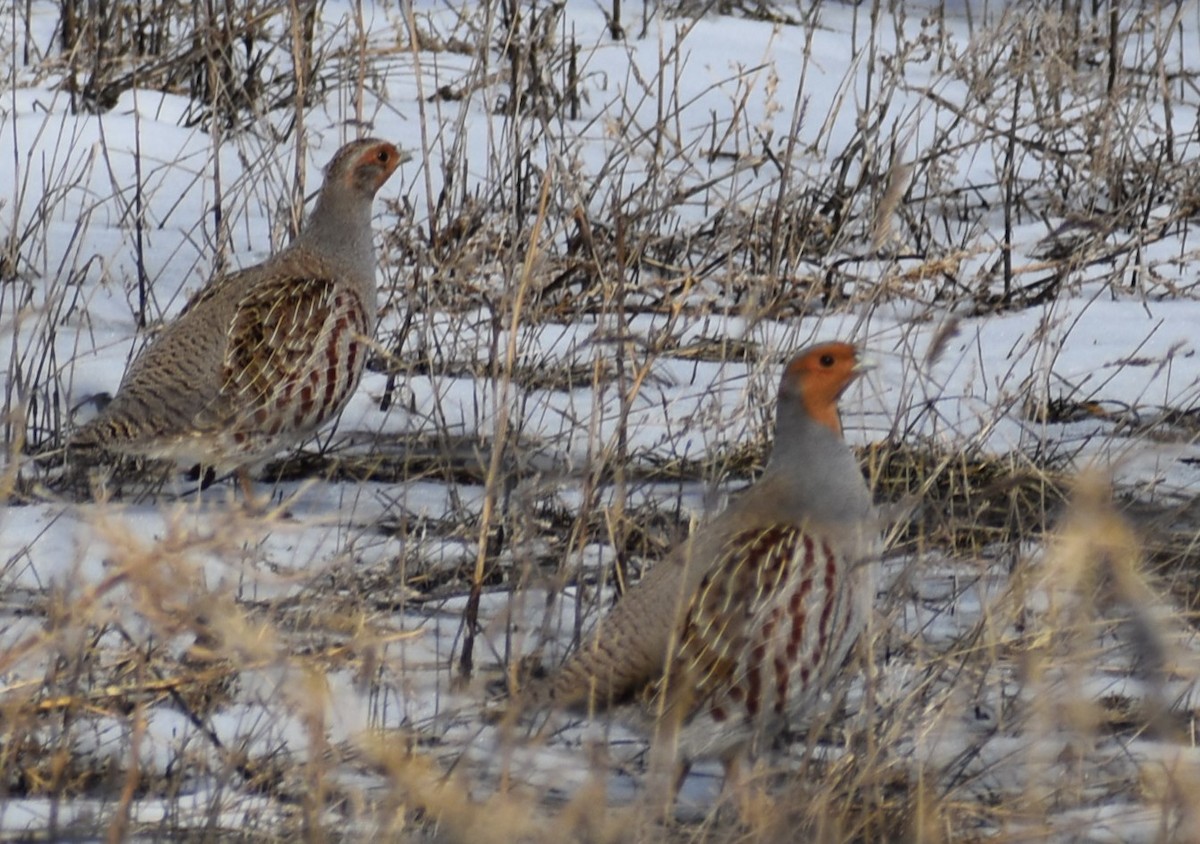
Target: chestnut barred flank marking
{"x": 748, "y": 641}
{"x": 295, "y": 357}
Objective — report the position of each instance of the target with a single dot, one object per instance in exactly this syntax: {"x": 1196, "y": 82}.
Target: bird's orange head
{"x": 817, "y": 377}
{"x": 365, "y": 164}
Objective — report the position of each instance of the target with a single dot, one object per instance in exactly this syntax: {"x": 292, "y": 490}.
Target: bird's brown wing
{"x": 626, "y": 656}
{"x": 626, "y": 651}
{"x": 294, "y": 351}
{"x": 218, "y": 285}
{"x": 171, "y": 380}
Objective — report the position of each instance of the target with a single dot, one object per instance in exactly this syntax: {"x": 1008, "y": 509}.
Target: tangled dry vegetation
{"x": 1008, "y": 579}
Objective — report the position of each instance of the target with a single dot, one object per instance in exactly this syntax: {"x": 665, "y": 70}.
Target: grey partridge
{"x": 743, "y": 625}
{"x": 261, "y": 358}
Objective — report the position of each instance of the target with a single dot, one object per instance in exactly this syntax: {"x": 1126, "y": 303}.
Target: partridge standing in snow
{"x": 261, "y": 358}
{"x": 749, "y": 620}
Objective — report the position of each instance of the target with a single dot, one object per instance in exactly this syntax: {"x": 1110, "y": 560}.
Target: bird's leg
{"x": 666, "y": 771}
{"x": 753, "y": 804}
{"x": 253, "y": 505}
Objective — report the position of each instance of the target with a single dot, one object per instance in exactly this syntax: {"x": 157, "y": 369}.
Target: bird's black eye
{"x": 382, "y": 156}
{"x": 826, "y": 360}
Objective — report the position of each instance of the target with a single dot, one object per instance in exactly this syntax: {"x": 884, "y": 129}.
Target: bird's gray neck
{"x": 339, "y": 230}
{"x": 818, "y": 470}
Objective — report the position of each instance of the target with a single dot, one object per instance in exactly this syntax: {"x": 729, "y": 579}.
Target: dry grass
{"x": 230, "y": 673}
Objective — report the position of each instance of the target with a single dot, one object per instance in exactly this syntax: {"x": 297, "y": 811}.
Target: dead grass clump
{"x": 234, "y": 64}
{"x": 1169, "y": 535}
{"x": 965, "y": 502}
{"x": 852, "y": 803}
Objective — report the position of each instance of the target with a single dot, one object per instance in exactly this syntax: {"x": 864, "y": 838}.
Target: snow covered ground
{"x": 196, "y": 667}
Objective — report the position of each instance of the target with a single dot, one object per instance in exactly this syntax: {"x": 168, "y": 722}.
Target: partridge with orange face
{"x": 739, "y": 630}
{"x": 260, "y": 359}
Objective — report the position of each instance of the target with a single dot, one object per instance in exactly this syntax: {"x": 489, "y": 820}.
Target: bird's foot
{"x": 252, "y": 504}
